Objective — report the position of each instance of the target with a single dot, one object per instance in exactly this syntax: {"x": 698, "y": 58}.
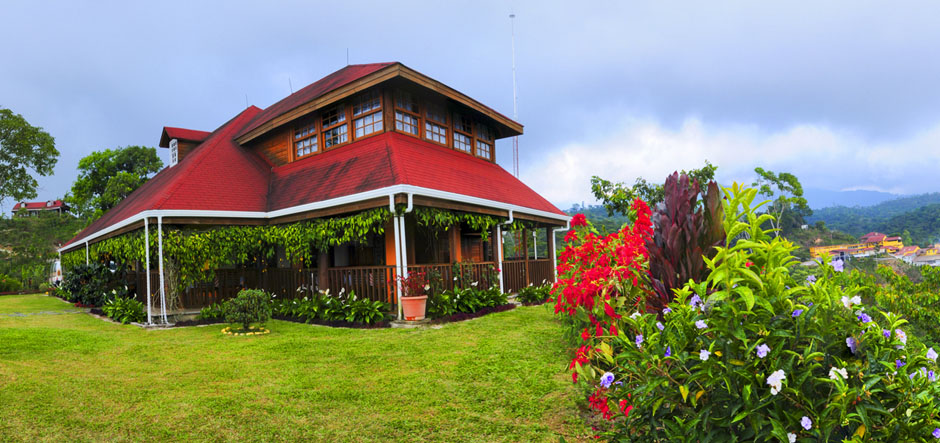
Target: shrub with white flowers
{"x": 750, "y": 353}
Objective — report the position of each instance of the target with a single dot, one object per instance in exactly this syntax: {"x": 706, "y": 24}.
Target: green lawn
{"x": 76, "y": 377}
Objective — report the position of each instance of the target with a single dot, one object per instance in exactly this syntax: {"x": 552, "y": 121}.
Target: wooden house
{"x": 375, "y": 137}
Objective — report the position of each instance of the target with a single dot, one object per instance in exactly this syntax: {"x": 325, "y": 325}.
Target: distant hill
{"x": 891, "y": 217}
{"x": 822, "y": 198}
{"x": 597, "y": 215}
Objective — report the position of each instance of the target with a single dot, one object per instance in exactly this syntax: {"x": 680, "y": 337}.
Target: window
{"x": 484, "y": 142}
{"x": 367, "y": 113}
{"x": 406, "y": 113}
{"x": 305, "y": 140}
{"x": 335, "y": 130}
{"x": 463, "y": 127}
{"x": 435, "y": 124}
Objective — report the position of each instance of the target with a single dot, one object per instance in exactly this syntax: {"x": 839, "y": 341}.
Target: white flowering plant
{"x": 752, "y": 354}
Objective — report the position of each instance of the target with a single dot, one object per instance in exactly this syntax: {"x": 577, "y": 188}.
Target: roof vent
{"x": 174, "y": 152}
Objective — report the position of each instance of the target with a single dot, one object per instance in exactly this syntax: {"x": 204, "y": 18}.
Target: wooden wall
{"x": 275, "y": 146}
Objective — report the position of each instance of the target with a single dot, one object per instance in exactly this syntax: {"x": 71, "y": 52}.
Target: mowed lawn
{"x": 74, "y": 377}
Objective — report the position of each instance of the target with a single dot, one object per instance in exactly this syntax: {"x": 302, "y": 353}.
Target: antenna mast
{"x": 515, "y": 98}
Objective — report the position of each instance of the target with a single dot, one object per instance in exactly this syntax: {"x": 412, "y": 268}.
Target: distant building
{"x": 26, "y": 209}
{"x": 869, "y": 244}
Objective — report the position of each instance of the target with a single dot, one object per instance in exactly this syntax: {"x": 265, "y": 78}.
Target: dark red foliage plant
{"x": 685, "y": 230}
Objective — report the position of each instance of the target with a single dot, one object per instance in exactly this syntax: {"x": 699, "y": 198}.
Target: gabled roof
{"x": 190, "y": 135}
{"x": 873, "y": 237}
{"x": 51, "y": 204}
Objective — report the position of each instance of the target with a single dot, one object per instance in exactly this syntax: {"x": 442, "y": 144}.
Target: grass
{"x": 79, "y": 378}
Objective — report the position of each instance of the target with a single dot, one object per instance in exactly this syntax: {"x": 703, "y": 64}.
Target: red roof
{"x": 312, "y": 91}
{"x": 191, "y": 135}
{"x": 892, "y": 238}
{"x": 873, "y": 237}
{"x": 220, "y": 174}
{"x": 51, "y": 204}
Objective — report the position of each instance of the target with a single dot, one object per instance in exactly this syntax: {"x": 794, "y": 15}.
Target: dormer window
{"x": 406, "y": 112}
{"x": 463, "y": 133}
{"x": 484, "y": 142}
{"x": 335, "y": 130}
{"x": 367, "y": 113}
{"x": 305, "y": 140}
{"x": 174, "y": 152}
{"x": 435, "y": 124}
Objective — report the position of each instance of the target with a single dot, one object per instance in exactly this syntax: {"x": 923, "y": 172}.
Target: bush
{"x": 124, "y": 310}
{"x": 534, "y": 295}
{"x": 94, "y": 284}
{"x": 748, "y": 353}
{"x": 328, "y": 308}
{"x": 211, "y": 312}
{"x": 9, "y": 284}
{"x": 250, "y": 306}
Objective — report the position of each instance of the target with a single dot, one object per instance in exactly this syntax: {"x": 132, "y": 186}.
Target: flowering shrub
{"x": 748, "y": 353}
{"x": 124, "y": 310}
{"x": 466, "y": 300}
{"x": 534, "y": 295}
{"x": 323, "y": 306}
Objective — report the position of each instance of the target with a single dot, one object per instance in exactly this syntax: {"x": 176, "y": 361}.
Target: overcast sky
{"x": 843, "y": 94}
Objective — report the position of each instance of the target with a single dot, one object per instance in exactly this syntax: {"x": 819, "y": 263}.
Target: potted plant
{"x": 414, "y": 298}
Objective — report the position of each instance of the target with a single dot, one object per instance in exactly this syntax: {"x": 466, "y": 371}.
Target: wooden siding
{"x": 275, "y": 146}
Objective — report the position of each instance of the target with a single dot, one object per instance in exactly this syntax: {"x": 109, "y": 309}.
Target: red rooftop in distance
{"x": 362, "y": 138}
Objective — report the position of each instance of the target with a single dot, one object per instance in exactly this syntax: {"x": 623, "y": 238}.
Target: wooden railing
{"x": 371, "y": 282}
{"x": 515, "y": 273}
{"x": 542, "y": 271}
{"x": 478, "y": 272}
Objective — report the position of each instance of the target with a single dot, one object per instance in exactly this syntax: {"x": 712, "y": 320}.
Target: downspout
{"x": 499, "y": 243}
{"x": 87, "y": 262}
{"x": 160, "y": 251}
{"x": 555, "y": 249}
{"x": 404, "y": 241}
{"x": 147, "y": 254}
{"x": 391, "y": 208}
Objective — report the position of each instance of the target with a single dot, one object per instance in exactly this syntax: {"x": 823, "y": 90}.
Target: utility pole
{"x": 515, "y": 98}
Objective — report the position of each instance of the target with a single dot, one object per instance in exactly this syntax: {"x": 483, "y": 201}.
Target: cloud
{"x": 819, "y": 155}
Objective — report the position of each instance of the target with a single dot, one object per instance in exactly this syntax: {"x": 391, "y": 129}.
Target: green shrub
{"x": 492, "y": 297}
{"x": 250, "y": 306}
{"x": 211, "y": 312}
{"x": 534, "y": 295}
{"x": 94, "y": 284}
{"x": 124, "y": 310}
{"x": 9, "y": 284}
{"x": 441, "y": 304}
{"x": 366, "y": 311}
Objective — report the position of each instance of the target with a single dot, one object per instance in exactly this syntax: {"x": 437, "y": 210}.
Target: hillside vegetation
{"x": 891, "y": 217}
{"x": 27, "y": 244}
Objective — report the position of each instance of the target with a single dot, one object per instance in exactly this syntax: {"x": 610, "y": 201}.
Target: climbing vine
{"x": 443, "y": 219}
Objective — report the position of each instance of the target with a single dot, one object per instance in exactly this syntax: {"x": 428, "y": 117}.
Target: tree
{"x": 107, "y": 177}
{"x": 789, "y": 195}
{"x": 617, "y": 197}
{"x": 906, "y": 238}
{"x": 24, "y": 150}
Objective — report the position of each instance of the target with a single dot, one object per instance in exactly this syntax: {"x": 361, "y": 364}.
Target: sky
{"x": 843, "y": 94}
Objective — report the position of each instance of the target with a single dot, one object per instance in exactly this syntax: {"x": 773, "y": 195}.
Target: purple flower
{"x": 901, "y": 336}
{"x": 850, "y": 342}
{"x": 660, "y": 326}
{"x": 864, "y": 318}
{"x": 797, "y": 313}
{"x": 696, "y": 302}
{"x": 703, "y": 354}
{"x": 806, "y": 423}
{"x": 607, "y": 379}
{"x": 838, "y": 265}
{"x": 666, "y": 310}
{"x": 931, "y": 354}
{"x": 811, "y": 278}
{"x": 898, "y": 364}
{"x": 931, "y": 376}
{"x": 936, "y": 433}
{"x": 639, "y": 340}
{"x": 668, "y": 351}
{"x": 762, "y": 350}
{"x": 701, "y": 324}
{"x": 886, "y": 333}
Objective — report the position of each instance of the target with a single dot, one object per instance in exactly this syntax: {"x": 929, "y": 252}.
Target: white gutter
{"x": 354, "y": 198}
{"x": 147, "y": 252}
{"x": 555, "y": 247}
{"x": 162, "y": 287}
{"x": 499, "y": 242}
{"x": 86, "y": 253}
{"x": 391, "y": 208}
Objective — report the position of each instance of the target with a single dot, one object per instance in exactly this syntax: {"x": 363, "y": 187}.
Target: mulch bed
{"x": 464, "y": 316}
{"x": 333, "y": 324}
{"x": 540, "y": 303}
{"x": 198, "y": 322}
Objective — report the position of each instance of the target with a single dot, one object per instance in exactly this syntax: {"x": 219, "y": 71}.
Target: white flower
{"x": 806, "y": 422}
{"x": 635, "y": 315}
{"x": 931, "y": 354}
{"x": 703, "y": 354}
{"x": 838, "y": 371}
{"x": 856, "y": 300}
{"x": 775, "y": 381}
{"x": 792, "y": 437}
{"x": 474, "y": 284}
{"x": 427, "y": 287}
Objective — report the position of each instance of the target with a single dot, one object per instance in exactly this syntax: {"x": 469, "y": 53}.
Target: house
{"x": 29, "y": 209}
{"x": 869, "y": 244}
{"x": 374, "y": 172}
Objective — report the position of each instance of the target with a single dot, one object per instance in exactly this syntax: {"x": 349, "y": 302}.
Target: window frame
{"x": 314, "y": 133}
{"x": 461, "y": 118}
{"x": 429, "y": 121}
{"x": 340, "y": 107}
{"x": 378, "y": 120}
{"x": 414, "y": 114}
{"x": 479, "y": 130}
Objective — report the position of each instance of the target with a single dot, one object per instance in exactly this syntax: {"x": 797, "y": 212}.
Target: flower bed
{"x": 242, "y": 332}
{"x": 461, "y": 316}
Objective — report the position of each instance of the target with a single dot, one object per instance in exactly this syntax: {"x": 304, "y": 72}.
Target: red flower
{"x": 585, "y": 335}
{"x": 571, "y": 236}
{"x": 625, "y": 408}
{"x": 578, "y": 220}
{"x": 748, "y": 264}
{"x": 610, "y": 311}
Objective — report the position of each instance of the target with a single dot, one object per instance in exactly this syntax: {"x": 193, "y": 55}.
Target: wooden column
{"x": 323, "y": 264}
{"x": 525, "y": 251}
{"x": 550, "y": 236}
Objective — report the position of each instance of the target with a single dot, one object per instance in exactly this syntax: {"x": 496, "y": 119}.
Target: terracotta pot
{"x": 414, "y": 307}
